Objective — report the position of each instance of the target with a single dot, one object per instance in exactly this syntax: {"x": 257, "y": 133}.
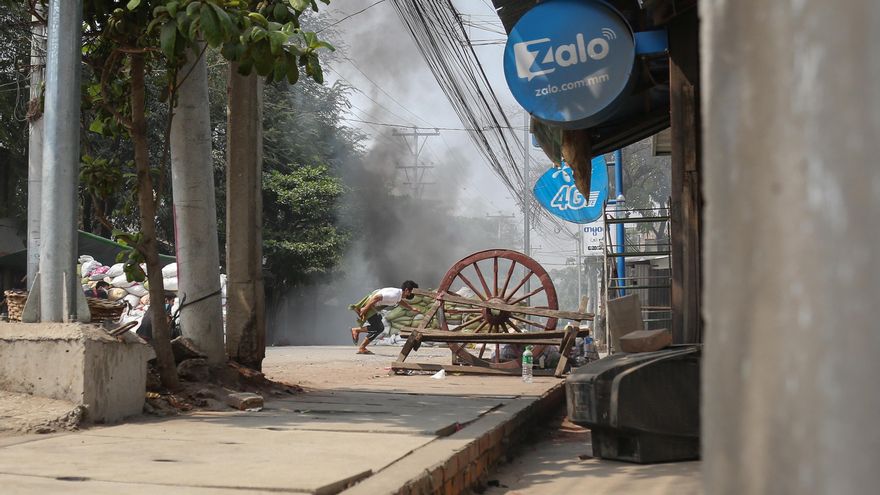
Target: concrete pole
{"x": 245, "y": 295}
{"x": 792, "y": 190}
{"x": 526, "y": 199}
{"x": 35, "y": 146}
{"x": 58, "y": 280}
{"x": 195, "y": 211}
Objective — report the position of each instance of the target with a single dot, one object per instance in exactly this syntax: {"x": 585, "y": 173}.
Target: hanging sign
{"x": 557, "y": 193}
{"x": 594, "y": 238}
{"x": 569, "y": 62}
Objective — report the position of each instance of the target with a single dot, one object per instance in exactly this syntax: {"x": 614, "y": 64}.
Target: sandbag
{"x": 115, "y": 270}
{"x": 88, "y": 267}
{"x": 132, "y": 300}
{"x": 116, "y": 294}
{"x": 137, "y": 289}
{"x": 121, "y": 282}
{"x": 170, "y": 283}
{"x": 169, "y": 271}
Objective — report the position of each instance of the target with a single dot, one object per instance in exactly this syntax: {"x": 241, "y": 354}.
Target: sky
{"x": 395, "y": 86}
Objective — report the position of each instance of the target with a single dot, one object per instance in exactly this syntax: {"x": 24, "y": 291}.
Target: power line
{"x": 349, "y": 16}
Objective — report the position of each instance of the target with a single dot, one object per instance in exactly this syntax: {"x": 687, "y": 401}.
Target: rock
{"x": 184, "y": 349}
{"x": 245, "y": 400}
{"x": 646, "y": 340}
{"x": 194, "y": 370}
{"x": 205, "y": 393}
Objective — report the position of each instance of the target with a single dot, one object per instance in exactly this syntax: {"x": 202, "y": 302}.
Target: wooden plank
{"x": 571, "y": 333}
{"x": 412, "y": 343}
{"x": 686, "y": 192}
{"x": 555, "y": 337}
{"x": 466, "y": 370}
{"x": 549, "y": 313}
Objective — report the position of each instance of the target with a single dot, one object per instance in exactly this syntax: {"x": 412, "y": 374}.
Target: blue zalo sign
{"x": 557, "y": 193}
{"x": 569, "y": 62}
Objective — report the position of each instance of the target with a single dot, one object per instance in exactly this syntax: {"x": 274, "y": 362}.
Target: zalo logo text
{"x": 540, "y": 57}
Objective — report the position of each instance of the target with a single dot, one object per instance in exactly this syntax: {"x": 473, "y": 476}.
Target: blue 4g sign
{"x": 556, "y": 192}
{"x": 569, "y": 62}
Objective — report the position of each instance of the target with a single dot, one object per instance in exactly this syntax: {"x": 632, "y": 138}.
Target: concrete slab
{"x": 189, "y": 453}
{"x": 25, "y": 485}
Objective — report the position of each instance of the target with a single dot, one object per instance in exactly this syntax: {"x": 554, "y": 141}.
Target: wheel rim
{"x": 497, "y": 275}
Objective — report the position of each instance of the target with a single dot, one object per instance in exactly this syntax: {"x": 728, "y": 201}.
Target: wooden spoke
{"x": 523, "y": 320}
{"x": 495, "y": 277}
{"x": 511, "y": 328}
{"x": 482, "y": 281}
{"x": 507, "y": 280}
{"x": 453, "y": 311}
{"x": 482, "y": 350}
{"x": 497, "y": 357}
{"x": 482, "y": 325}
{"x": 469, "y": 284}
{"x": 530, "y": 294}
{"x": 469, "y": 322}
{"x": 521, "y": 283}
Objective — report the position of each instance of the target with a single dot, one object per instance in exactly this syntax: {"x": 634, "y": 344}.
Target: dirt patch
{"x": 211, "y": 394}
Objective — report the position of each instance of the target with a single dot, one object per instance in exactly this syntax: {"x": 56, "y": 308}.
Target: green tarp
{"x": 103, "y": 250}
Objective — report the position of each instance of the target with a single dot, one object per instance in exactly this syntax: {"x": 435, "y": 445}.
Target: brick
{"x": 437, "y": 478}
{"x": 244, "y": 400}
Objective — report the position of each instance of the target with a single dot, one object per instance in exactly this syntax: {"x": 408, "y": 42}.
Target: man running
{"x": 369, "y": 313}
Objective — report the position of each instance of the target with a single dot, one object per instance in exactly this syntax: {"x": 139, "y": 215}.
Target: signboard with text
{"x": 569, "y": 62}
{"x": 594, "y": 238}
{"x": 557, "y": 193}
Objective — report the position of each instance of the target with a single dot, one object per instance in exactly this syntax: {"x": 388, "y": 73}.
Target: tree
{"x": 168, "y": 32}
{"x": 647, "y": 184}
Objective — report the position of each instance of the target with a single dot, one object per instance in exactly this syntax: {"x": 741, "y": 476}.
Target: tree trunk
{"x": 148, "y": 247}
{"x": 195, "y": 211}
{"x": 246, "y": 299}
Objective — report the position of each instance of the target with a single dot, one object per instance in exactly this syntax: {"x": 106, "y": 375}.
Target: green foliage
{"x": 132, "y": 259}
{"x": 264, "y": 36}
{"x": 301, "y": 238}
{"x": 14, "y": 87}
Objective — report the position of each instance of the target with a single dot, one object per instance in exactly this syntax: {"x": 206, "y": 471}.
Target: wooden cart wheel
{"x": 497, "y": 275}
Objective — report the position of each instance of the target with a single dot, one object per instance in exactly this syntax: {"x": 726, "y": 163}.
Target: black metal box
{"x": 642, "y": 407}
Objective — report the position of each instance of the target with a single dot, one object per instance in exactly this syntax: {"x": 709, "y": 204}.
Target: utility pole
{"x": 526, "y": 198}
{"x": 499, "y": 217}
{"x": 35, "y": 145}
{"x": 59, "y": 284}
{"x": 580, "y": 256}
{"x": 417, "y": 178}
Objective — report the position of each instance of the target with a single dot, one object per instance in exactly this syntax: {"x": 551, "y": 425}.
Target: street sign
{"x": 570, "y": 62}
{"x": 594, "y": 238}
{"x": 557, "y": 193}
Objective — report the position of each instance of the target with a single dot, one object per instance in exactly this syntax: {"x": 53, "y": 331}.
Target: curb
{"x": 462, "y": 460}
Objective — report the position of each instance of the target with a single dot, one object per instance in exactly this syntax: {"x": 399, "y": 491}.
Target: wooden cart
{"x": 496, "y": 311}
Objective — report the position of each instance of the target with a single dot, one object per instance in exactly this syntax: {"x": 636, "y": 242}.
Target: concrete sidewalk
{"x": 356, "y": 428}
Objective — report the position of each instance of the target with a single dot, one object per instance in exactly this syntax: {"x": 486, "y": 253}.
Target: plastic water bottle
{"x": 527, "y": 365}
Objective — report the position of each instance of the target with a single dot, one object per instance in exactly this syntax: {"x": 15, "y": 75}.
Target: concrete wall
{"x": 76, "y": 363}
{"x": 791, "y": 115}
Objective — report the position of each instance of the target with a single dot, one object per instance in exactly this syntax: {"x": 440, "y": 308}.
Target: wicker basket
{"x": 104, "y": 310}
{"x": 15, "y": 300}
